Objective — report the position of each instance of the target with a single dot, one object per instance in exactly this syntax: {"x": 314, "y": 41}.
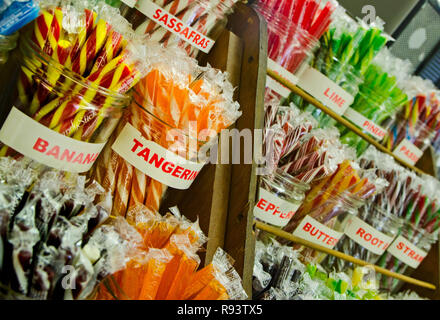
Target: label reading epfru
{"x": 46, "y": 146}
{"x": 406, "y": 252}
{"x": 281, "y": 72}
{"x": 365, "y": 235}
{"x": 274, "y": 210}
{"x": 175, "y": 25}
{"x": 311, "y": 230}
{"x": 362, "y": 122}
{"x": 154, "y": 160}
{"x": 277, "y": 87}
{"x": 325, "y": 90}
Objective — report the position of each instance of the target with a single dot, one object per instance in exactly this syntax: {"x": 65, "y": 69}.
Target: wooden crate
{"x": 223, "y": 195}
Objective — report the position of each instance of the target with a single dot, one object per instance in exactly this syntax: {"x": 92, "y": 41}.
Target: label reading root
{"x": 406, "y": 252}
{"x": 314, "y": 231}
{"x": 365, "y": 235}
{"x": 274, "y": 210}
{"x": 408, "y": 152}
{"x": 175, "y": 25}
{"x": 46, "y": 146}
{"x": 154, "y": 160}
{"x": 362, "y": 122}
{"x": 325, "y": 90}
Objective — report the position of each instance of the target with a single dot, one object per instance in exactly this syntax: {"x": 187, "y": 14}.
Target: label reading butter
{"x": 406, "y": 252}
{"x": 273, "y": 210}
{"x": 315, "y": 232}
{"x": 365, "y": 235}
{"x": 154, "y": 160}
{"x": 46, "y": 146}
{"x": 325, "y": 90}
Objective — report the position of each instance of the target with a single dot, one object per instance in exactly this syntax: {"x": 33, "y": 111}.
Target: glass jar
{"x": 327, "y": 217}
{"x": 405, "y": 254}
{"x": 7, "y": 44}
{"x": 207, "y": 17}
{"x": 279, "y": 196}
{"x": 161, "y": 148}
{"x": 47, "y": 94}
{"x": 366, "y": 237}
{"x": 416, "y": 132}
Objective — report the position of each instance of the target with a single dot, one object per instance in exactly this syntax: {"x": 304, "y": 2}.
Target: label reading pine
{"x": 154, "y": 160}
{"x": 277, "y": 87}
{"x": 48, "y": 147}
{"x": 406, "y": 252}
{"x": 365, "y": 235}
{"x": 408, "y": 152}
{"x": 175, "y": 25}
{"x": 314, "y": 231}
{"x": 274, "y": 210}
{"x": 325, "y": 90}
{"x": 362, "y": 122}
{"x": 281, "y": 72}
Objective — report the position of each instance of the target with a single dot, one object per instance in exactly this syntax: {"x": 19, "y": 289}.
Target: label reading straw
{"x": 365, "y": 235}
{"x": 315, "y": 232}
{"x": 175, "y": 25}
{"x": 408, "y": 152}
{"x": 274, "y": 210}
{"x": 46, "y": 146}
{"x": 325, "y": 90}
{"x": 362, "y": 122}
{"x": 154, "y": 160}
{"x": 406, "y": 252}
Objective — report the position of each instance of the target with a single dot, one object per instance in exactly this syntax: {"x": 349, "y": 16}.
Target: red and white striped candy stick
{"x": 84, "y": 62}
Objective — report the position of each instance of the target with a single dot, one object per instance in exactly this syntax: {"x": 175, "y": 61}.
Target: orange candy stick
{"x": 213, "y": 291}
{"x": 182, "y": 279}
{"x": 198, "y": 281}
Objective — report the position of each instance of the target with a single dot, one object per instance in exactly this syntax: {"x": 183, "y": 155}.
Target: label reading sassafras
{"x": 48, "y": 147}
{"x": 154, "y": 160}
{"x": 175, "y": 25}
{"x": 408, "y": 152}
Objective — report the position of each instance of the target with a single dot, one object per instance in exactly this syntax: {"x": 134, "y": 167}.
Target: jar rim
{"x": 348, "y": 68}
{"x": 290, "y": 179}
{"x": 120, "y": 99}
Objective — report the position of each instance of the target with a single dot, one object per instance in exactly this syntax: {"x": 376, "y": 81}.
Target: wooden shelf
{"x": 340, "y": 119}
{"x": 340, "y": 255}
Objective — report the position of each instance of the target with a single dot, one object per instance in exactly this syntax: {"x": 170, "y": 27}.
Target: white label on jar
{"x": 129, "y": 3}
{"x": 362, "y": 122}
{"x": 311, "y": 230}
{"x": 273, "y": 210}
{"x": 277, "y": 87}
{"x": 46, "y": 146}
{"x": 408, "y": 152}
{"x": 175, "y": 25}
{"x": 406, "y": 252}
{"x": 365, "y": 235}
{"x": 154, "y": 160}
{"x": 281, "y": 72}
{"x": 325, "y": 90}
